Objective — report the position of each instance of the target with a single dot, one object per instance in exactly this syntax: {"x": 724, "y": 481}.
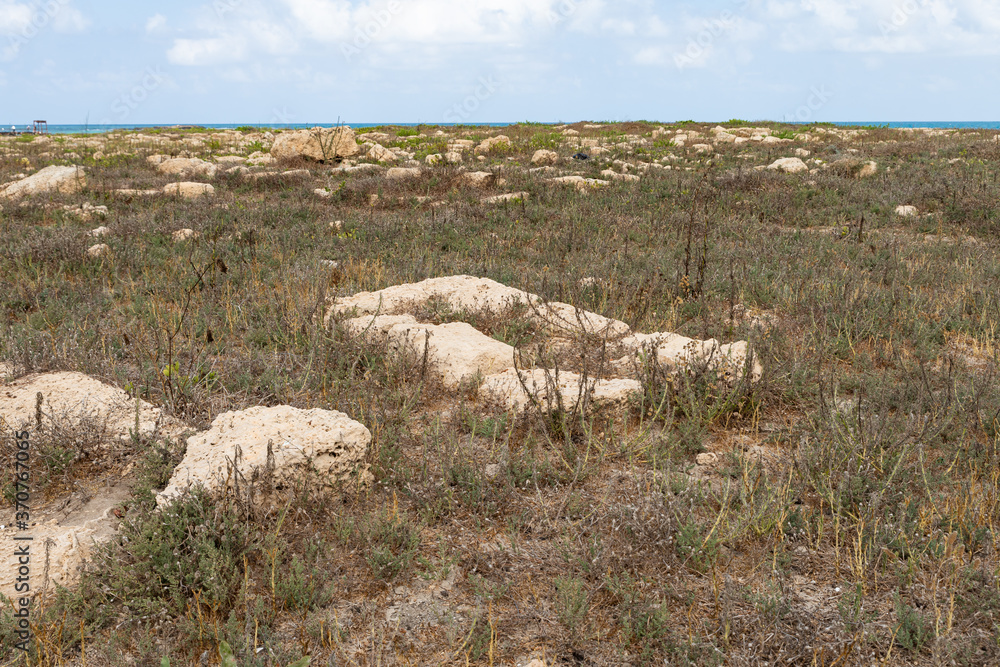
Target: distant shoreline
{"x": 55, "y": 128}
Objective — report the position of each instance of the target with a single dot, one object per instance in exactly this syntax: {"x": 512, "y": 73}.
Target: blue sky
{"x": 301, "y": 61}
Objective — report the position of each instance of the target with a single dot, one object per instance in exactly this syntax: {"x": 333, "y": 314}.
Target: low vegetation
{"x": 843, "y": 510}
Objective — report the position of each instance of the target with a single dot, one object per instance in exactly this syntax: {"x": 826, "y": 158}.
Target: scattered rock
{"x": 504, "y": 198}
{"x": 550, "y": 390}
{"x": 453, "y": 157}
{"x": 582, "y": 184}
{"x": 99, "y": 231}
{"x": 399, "y": 173}
{"x": 499, "y": 142}
{"x": 802, "y": 152}
{"x": 456, "y": 352}
{"x": 184, "y": 235}
{"x": 320, "y": 144}
{"x": 66, "y": 180}
{"x": 185, "y": 167}
{"x": 324, "y": 445}
{"x": 74, "y": 400}
{"x": 789, "y": 165}
{"x": 544, "y": 157}
{"x": 380, "y": 153}
{"x": 477, "y": 179}
{"x": 98, "y": 250}
{"x": 906, "y": 211}
{"x": 679, "y": 353}
{"x": 189, "y": 190}
{"x": 706, "y": 459}
{"x": 433, "y": 159}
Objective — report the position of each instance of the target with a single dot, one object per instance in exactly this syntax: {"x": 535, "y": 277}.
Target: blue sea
{"x": 96, "y": 129}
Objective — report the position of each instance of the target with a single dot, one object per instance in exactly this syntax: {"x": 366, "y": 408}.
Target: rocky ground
{"x": 585, "y": 394}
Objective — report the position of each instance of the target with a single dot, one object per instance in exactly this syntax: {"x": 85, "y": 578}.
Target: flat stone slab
{"x": 547, "y": 388}
{"x": 70, "y": 399}
{"x": 456, "y": 352}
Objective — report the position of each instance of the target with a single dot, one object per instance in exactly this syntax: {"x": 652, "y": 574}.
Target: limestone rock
{"x": 679, "y": 353}
{"x": 802, "y": 152}
{"x": 320, "y": 144}
{"x": 477, "y": 179}
{"x": 547, "y": 389}
{"x": 471, "y": 294}
{"x": 499, "y": 142}
{"x": 189, "y": 190}
{"x": 380, "y": 153}
{"x": 433, "y": 159}
{"x": 66, "y": 180}
{"x": 184, "y": 167}
{"x": 543, "y": 157}
{"x": 504, "y": 198}
{"x": 230, "y": 160}
{"x": 375, "y": 328}
{"x": 906, "y": 211}
{"x": 789, "y": 165}
{"x": 98, "y": 250}
{"x": 456, "y": 352}
{"x": 453, "y": 157}
{"x": 400, "y": 173}
{"x": 70, "y": 400}
{"x": 183, "y": 235}
{"x": 325, "y": 445}
{"x": 582, "y": 184}
{"x": 86, "y": 211}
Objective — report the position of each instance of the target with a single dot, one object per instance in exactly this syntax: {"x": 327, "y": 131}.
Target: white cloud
{"x": 211, "y": 51}
{"x": 69, "y": 19}
{"x": 156, "y": 23}
{"x": 14, "y": 17}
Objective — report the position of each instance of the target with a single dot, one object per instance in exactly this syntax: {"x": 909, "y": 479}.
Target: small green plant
{"x": 573, "y": 602}
{"x": 392, "y": 542}
{"x": 407, "y": 132}
{"x": 913, "y": 630}
{"x": 695, "y": 547}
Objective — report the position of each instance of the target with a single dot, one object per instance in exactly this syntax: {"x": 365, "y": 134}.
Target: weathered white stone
{"x": 504, "y": 198}
{"x": 906, "y": 211}
{"x": 185, "y": 167}
{"x": 580, "y": 183}
{"x": 677, "y": 353}
{"x": 183, "y": 235}
{"x": 189, "y": 190}
{"x": 456, "y": 352}
{"x": 789, "y": 165}
{"x": 321, "y": 445}
{"x": 99, "y": 231}
{"x": 400, "y": 173}
{"x": 433, "y": 159}
{"x": 802, "y": 152}
{"x": 477, "y": 179}
{"x": 66, "y": 180}
{"x": 380, "y": 153}
{"x": 471, "y": 294}
{"x": 501, "y": 141}
{"x": 544, "y": 157}
{"x": 320, "y": 144}
{"x": 98, "y": 250}
{"x": 548, "y": 388}
{"x": 613, "y": 175}
{"x": 453, "y": 157}
{"x": 70, "y": 399}
{"x": 230, "y": 159}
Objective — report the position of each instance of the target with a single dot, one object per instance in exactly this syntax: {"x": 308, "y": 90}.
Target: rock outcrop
{"x": 789, "y": 165}
{"x": 66, "y": 180}
{"x": 187, "y": 167}
{"x": 325, "y": 446}
{"x": 74, "y": 400}
{"x": 323, "y": 144}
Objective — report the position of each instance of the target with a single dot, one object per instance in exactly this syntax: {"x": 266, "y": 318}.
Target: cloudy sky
{"x": 303, "y": 61}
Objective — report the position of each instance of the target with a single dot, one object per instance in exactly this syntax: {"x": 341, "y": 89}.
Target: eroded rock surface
{"x": 71, "y": 399}
{"x": 324, "y": 444}
{"x": 320, "y": 144}
{"x": 66, "y": 180}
